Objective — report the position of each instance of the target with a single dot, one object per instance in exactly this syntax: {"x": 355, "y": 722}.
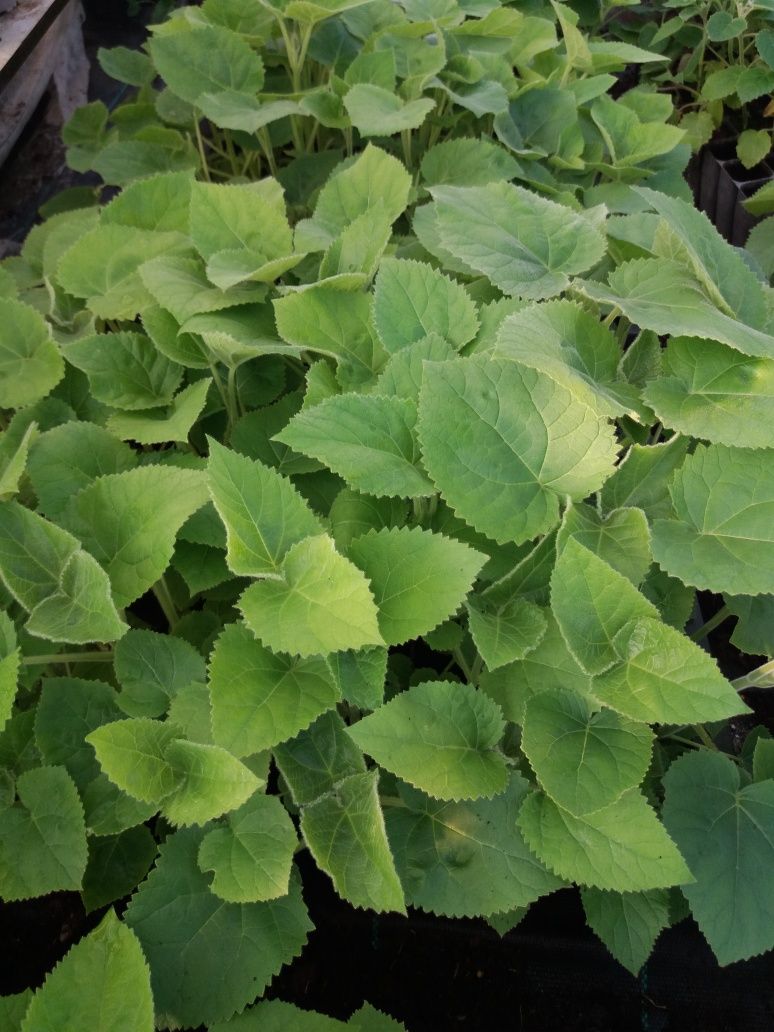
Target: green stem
{"x": 161, "y": 591}
{"x": 714, "y": 621}
{"x": 761, "y": 677}
{"x": 704, "y": 736}
{"x": 69, "y": 657}
{"x": 387, "y": 800}
{"x": 406, "y": 141}
{"x": 200, "y": 145}
{"x": 461, "y": 662}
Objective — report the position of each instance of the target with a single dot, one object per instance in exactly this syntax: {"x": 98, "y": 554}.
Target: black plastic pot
{"x": 723, "y": 184}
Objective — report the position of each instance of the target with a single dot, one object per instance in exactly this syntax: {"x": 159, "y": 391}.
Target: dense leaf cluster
{"x": 355, "y": 497}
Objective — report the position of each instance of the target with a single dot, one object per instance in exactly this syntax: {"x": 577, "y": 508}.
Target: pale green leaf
{"x": 402, "y": 375}
{"x": 507, "y": 632}
{"x": 504, "y": 443}
{"x": 366, "y": 439}
{"x": 439, "y": 736}
{"x": 159, "y": 202}
{"x": 418, "y": 578}
{"x": 102, "y": 267}
{"x": 711, "y": 391}
{"x": 13, "y": 460}
{"x": 592, "y": 602}
{"x": 642, "y": 479}
{"x": 345, "y": 833}
{"x": 333, "y": 323}
{"x": 260, "y": 699}
{"x": 252, "y": 853}
{"x": 466, "y": 859}
{"x": 720, "y": 537}
{"x": 664, "y": 678}
{"x": 662, "y": 295}
{"x": 132, "y": 754}
{"x": 321, "y": 603}
{"x": 30, "y": 362}
{"x": 725, "y": 829}
{"x": 72, "y": 456}
{"x": 622, "y": 538}
{"x": 263, "y": 512}
{"x": 128, "y": 521}
{"x": 467, "y": 162}
{"x": 205, "y": 61}
{"x": 583, "y": 759}
{"x": 125, "y": 370}
{"x": 180, "y": 285}
{"x": 42, "y": 836}
{"x": 210, "y": 782}
{"x": 102, "y": 984}
{"x": 33, "y": 554}
{"x": 81, "y": 609}
{"x": 375, "y": 111}
{"x": 209, "y": 958}
{"x": 412, "y": 300}
{"x": 160, "y": 425}
{"x": 525, "y": 244}
{"x": 622, "y": 847}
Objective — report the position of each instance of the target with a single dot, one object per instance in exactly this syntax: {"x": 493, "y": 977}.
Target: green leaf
{"x": 42, "y": 836}
{"x": 185, "y": 930}
{"x": 210, "y": 782}
{"x": 374, "y": 177}
{"x": 160, "y": 202}
{"x": 710, "y": 391}
{"x": 160, "y": 425}
{"x": 412, "y": 300}
{"x": 13, "y": 460}
{"x": 574, "y": 348}
{"x": 260, "y": 699}
{"x": 63, "y": 588}
{"x": 128, "y": 521}
{"x": 180, "y": 285}
{"x": 263, "y": 512}
{"x": 506, "y": 632}
{"x": 622, "y": 847}
{"x": 439, "y": 736}
{"x": 664, "y": 678}
{"x": 718, "y": 266}
{"x": 109, "y": 811}
{"x": 549, "y": 666}
{"x": 724, "y": 520}
{"x": 68, "y": 709}
{"x": 466, "y": 859}
{"x": 345, "y": 833}
{"x": 375, "y": 111}
{"x": 592, "y": 602}
{"x": 247, "y": 217}
{"x": 103, "y": 268}
{"x": 628, "y": 140}
{"x": 103, "y": 984}
{"x": 504, "y": 443}
{"x": 251, "y": 855}
{"x": 321, "y": 603}
{"x": 725, "y": 830}
{"x": 642, "y": 478}
{"x": 278, "y": 1016}
{"x": 125, "y": 370}
{"x": 622, "y": 538}
{"x": 9, "y": 677}
{"x": 133, "y": 755}
{"x": 467, "y": 162}
{"x": 418, "y": 578}
{"x": 206, "y": 61}
{"x": 190, "y": 710}
{"x": 662, "y": 295}
{"x": 72, "y": 456}
{"x": 117, "y": 864}
{"x": 333, "y": 323}
{"x": 30, "y": 362}
{"x": 628, "y": 923}
{"x": 525, "y": 244}
{"x": 151, "y": 669}
{"x": 583, "y": 759}
{"x": 752, "y": 146}
{"x": 402, "y": 375}
{"x": 754, "y": 631}
{"x": 13, "y": 1008}
{"x": 318, "y": 758}
{"x": 366, "y": 439}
